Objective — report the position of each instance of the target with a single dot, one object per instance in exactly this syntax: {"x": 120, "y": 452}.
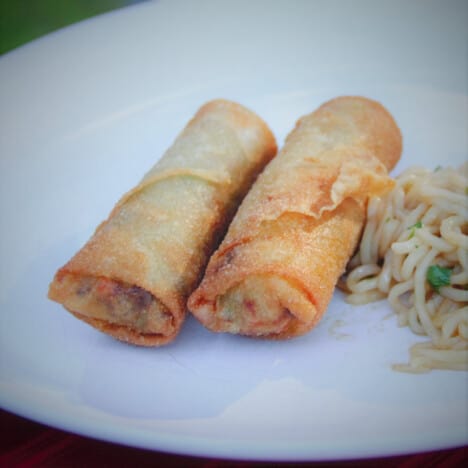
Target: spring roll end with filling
{"x": 268, "y": 288}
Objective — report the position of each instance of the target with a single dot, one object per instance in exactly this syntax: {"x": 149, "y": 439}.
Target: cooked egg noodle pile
{"x": 414, "y": 251}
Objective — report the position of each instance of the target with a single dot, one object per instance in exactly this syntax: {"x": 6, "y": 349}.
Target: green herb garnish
{"x": 438, "y": 276}
{"x": 413, "y": 228}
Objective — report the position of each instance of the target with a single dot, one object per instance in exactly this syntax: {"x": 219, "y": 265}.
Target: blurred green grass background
{"x": 22, "y": 21}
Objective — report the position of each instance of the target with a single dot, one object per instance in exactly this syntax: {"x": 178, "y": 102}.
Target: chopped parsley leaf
{"x": 413, "y": 228}
{"x": 438, "y": 276}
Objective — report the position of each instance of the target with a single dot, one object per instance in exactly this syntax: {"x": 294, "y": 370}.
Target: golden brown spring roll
{"x": 275, "y": 272}
{"x": 131, "y": 280}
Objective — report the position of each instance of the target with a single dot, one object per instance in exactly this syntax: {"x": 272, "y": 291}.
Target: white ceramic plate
{"x": 86, "y": 111}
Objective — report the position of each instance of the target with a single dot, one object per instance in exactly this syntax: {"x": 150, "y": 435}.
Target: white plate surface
{"x": 84, "y": 112}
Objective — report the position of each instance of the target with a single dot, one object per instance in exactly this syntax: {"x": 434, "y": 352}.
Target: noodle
{"x": 414, "y": 252}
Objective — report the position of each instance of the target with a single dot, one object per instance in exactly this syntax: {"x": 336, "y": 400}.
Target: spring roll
{"x": 275, "y": 272}
{"x": 132, "y": 278}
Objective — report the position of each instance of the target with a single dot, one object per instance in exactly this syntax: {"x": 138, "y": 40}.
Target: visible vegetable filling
{"x": 254, "y": 307}
{"x": 121, "y": 304}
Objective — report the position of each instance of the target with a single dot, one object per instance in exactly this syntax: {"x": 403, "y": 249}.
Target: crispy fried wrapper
{"x": 132, "y": 278}
{"x": 275, "y": 272}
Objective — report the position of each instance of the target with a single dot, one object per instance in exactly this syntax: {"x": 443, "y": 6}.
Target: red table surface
{"x": 26, "y": 443}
